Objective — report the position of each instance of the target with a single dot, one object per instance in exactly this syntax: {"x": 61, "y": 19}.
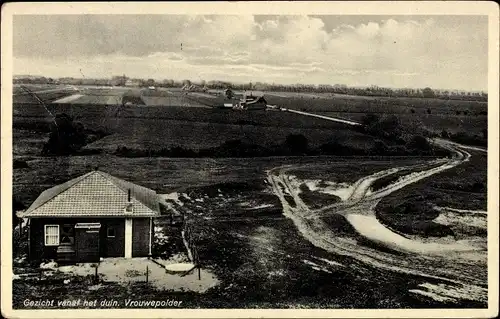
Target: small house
{"x": 250, "y": 102}
{"x": 92, "y": 216}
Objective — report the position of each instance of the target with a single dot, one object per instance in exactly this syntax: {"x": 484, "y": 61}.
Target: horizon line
{"x": 254, "y": 82}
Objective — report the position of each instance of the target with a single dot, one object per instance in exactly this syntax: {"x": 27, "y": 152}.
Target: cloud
{"x": 397, "y": 51}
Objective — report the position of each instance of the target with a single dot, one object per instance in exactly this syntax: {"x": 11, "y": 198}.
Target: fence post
{"x": 96, "y": 278}
{"x": 147, "y": 273}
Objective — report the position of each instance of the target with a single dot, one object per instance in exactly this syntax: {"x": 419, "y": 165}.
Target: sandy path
{"x": 437, "y": 260}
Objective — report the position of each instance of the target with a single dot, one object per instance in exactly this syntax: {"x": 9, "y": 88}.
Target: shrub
{"x": 370, "y": 119}
{"x": 419, "y": 143}
{"x": 297, "y": 144}
{"x": 65, "y": 137}
{"x": 17, "y": 205}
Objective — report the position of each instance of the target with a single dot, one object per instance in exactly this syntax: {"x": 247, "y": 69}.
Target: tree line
{"x": 373, "y": 90}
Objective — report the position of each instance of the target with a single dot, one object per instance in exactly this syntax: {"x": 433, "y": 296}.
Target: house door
{"x": 87, "y": 242}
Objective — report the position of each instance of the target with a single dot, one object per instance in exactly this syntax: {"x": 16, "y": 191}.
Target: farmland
{"x": 427, "y": 115}
{"x": 156, "y": 127}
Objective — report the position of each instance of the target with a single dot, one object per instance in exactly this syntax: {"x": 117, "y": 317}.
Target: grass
{"x": 338, "y": 103}
{"x": 194, "y": 128}
{"x": 99, "y": 99}
{"x": 157, "y": 134}
{"x": 316, "y": 199}
{"x": 161, "y": 174}
{"x": 409, "y": 210}
{"x": 28, "y": 142}
{"x": 451, "y": 115}
{"x": 390, "y": 179}
{"x": 421, "y": 122}
{"x": 345, "y": 170}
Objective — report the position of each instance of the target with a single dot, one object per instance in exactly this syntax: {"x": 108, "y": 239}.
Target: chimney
{"x": 129, "y": 206}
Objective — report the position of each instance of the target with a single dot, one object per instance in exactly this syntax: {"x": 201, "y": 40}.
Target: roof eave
{"x": 89, "y": 216}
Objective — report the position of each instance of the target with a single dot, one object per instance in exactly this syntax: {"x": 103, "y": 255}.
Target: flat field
{"x": 190, "y": 127}
{"x": 432, "y": 115}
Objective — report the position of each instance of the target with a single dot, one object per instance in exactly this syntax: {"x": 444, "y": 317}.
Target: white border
{"x": 336, "y": 8}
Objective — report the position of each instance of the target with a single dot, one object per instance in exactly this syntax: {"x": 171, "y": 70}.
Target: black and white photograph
{"x": 249, "y": 159}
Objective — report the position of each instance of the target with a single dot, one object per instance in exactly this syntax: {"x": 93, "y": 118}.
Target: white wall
{"x": 128, "y": 238}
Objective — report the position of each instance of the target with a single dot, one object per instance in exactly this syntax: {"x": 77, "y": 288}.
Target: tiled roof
{"x": 95, "y": 194}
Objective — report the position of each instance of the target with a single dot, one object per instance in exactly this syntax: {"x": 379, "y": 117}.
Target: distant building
{"x": 250, "y": 102}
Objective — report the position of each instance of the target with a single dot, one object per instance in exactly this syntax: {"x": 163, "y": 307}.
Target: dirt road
{"x": 458, "y": 265}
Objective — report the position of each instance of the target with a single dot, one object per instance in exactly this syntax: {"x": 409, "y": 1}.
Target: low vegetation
{"x": 410, "y": 209}
{"x": 67, "y": 136}
{"x": 316, "y": 199}
{"x": 414, "y": 215}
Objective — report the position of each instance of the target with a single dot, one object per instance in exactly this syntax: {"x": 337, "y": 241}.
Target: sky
{"x": 442, "y": 52}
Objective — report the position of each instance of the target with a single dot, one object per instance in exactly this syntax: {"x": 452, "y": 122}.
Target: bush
{"x": 419, "y": 144}
{"x": 65, "y": 137}
{"x": 17, "y": 205}
{"x": 370, "y": 119}
{"x": 297, "y": 144}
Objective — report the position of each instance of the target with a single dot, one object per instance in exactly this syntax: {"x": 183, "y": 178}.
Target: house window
{"x": 111, "y": 232}
{"x": 51, "y": 235}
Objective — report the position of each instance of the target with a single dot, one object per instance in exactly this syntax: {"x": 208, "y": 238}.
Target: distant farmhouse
{"x": 246, "y": 102}
{"x": 92, "y": 216}
{"x": 250, "y": 102}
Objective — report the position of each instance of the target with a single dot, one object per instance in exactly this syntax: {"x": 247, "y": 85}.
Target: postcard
{"x": 247, "y": 159}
